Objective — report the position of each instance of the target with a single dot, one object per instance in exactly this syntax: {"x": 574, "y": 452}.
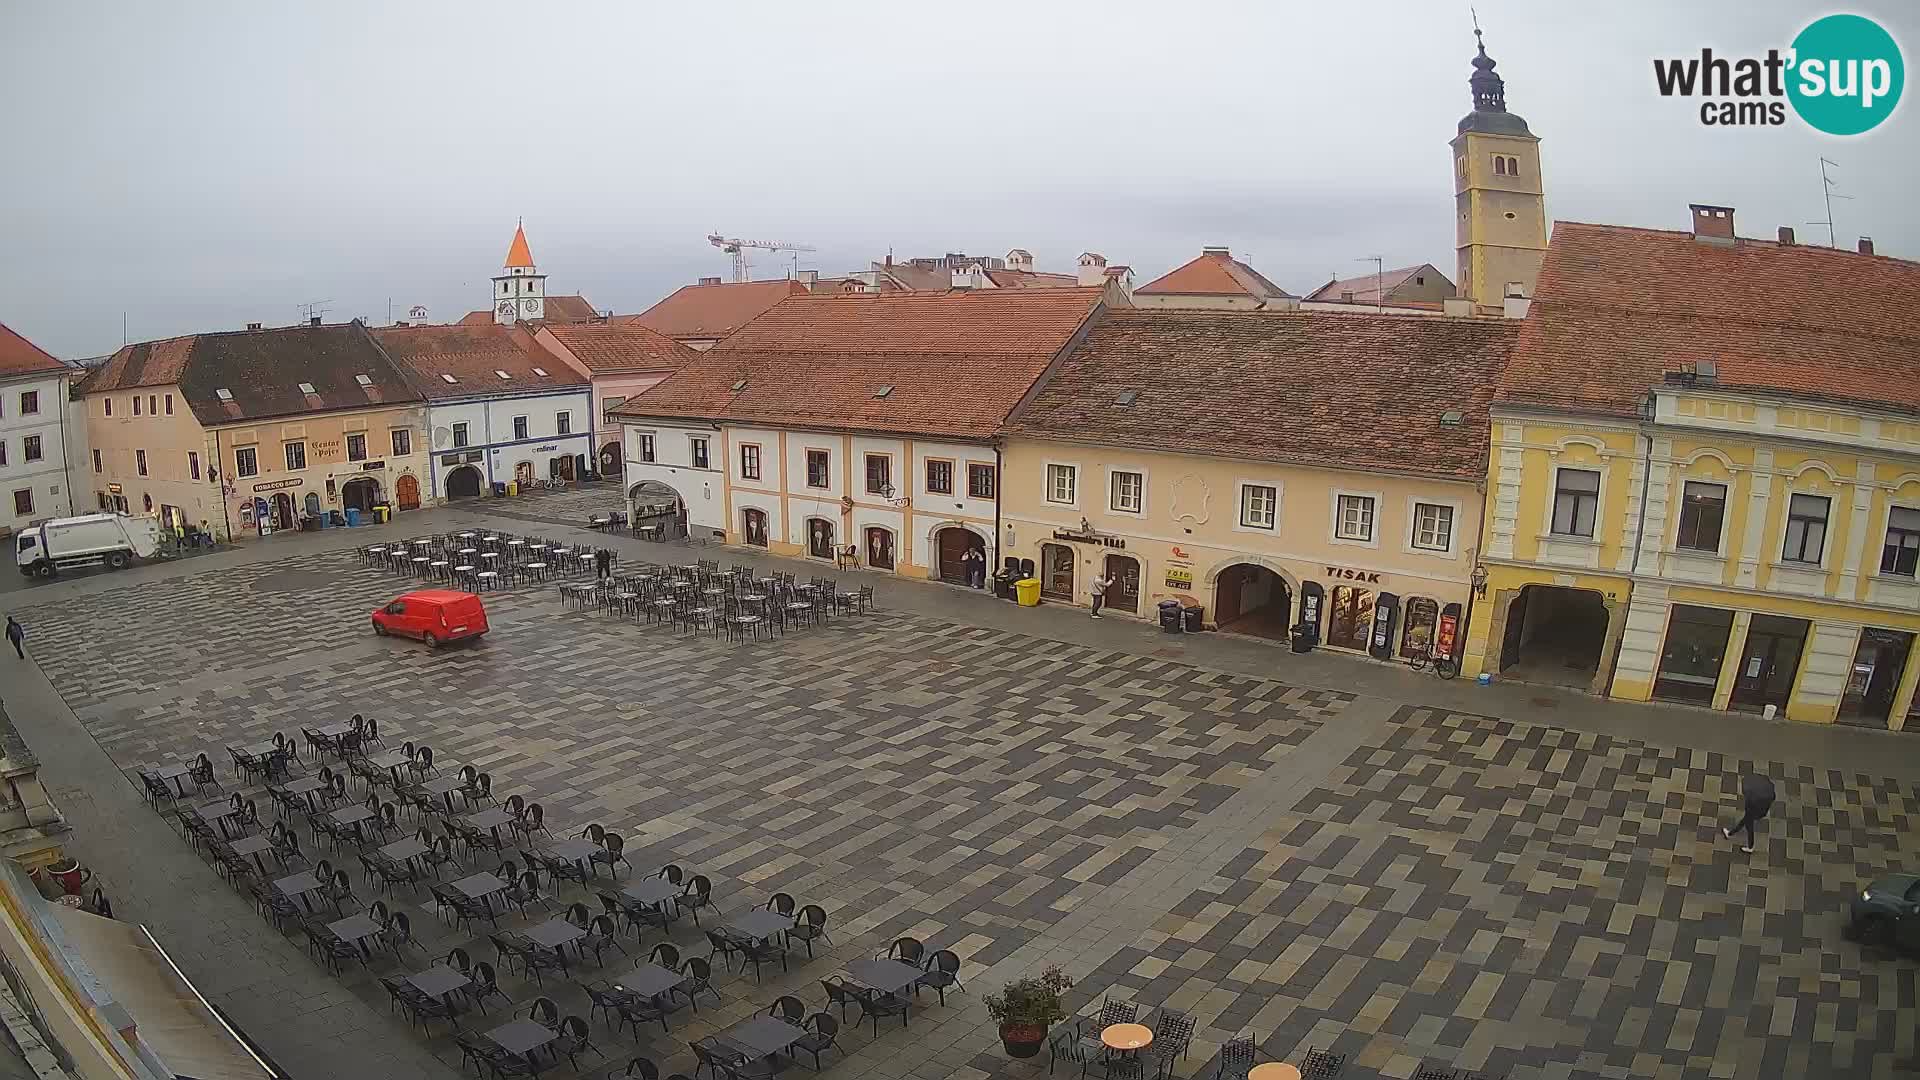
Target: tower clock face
{"x": 529, "y": 304}
{"x": 506, "y": 307}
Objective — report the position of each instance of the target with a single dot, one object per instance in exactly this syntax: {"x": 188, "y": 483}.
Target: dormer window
{"x": 363, "y": 380}
{"x": 307, "y": 388}
{"x": 448, "y": 379}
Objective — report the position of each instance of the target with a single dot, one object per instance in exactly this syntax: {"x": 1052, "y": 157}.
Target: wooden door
{"x": 407, "y": 490}
{"x": 1124, "y": 593}
{"x": 880, "y": 548}
{"x": 754, "y": 525}
{"x": 954, "y": 545}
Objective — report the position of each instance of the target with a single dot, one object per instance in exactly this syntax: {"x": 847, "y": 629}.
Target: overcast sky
{"x": 198, "y": 166}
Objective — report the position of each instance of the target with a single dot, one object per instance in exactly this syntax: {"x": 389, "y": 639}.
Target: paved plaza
{"x": 1319, "y": 867}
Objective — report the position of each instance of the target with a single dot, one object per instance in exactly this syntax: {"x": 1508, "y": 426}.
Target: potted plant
{"x": 1026, "y": 1008}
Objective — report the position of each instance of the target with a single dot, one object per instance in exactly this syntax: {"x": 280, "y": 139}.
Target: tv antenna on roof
{"x": 1377, "y": 262}
{"x": 313, "y": 310}
{"x": 1826, "y": 189}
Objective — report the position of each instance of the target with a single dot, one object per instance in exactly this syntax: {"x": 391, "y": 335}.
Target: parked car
{"x": 433, "y": 615}
{"x": 1887, "y": 912}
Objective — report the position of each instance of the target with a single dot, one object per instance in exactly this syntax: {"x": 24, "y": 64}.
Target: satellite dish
{"x": 441, "y": 437}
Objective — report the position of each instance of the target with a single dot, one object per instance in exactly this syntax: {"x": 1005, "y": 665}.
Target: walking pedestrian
{"x": 16, "y": 634}
{"x": 600, "y": 563}
{"x": 1757, "y": 792}
{"x": 1099, "y": 587}
{"x": 975, "y": 564}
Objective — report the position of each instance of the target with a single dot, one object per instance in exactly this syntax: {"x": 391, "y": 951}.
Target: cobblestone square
{"x": 1316, "y": 867}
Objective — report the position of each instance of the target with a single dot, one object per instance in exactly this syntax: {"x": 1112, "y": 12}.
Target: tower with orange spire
{"x": 519, "y": 290}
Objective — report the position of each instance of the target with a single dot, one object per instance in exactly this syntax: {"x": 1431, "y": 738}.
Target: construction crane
{"x": 742, "y": 262}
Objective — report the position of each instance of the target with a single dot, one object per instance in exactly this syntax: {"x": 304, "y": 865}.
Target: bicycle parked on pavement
{"x": 1446, "y": 667}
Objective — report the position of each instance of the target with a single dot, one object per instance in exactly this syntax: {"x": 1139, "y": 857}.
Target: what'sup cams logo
{"x": 1842, "y": 75}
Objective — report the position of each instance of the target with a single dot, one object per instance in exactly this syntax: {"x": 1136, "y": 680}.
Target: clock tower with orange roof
{"x": 519, "y": 291}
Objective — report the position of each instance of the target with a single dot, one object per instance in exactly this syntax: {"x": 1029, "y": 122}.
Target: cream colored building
{"x": 1275, "y": 468}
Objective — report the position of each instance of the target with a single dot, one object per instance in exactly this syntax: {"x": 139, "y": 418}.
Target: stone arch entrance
{"x": 407, "y": 491}
{"x": 360, "y": 493}
{"x": 612, "y": 460}
{"x": 282, "y": 510}
{"x": 1249, "y": 598}
{"x": 952, "y": 543}
{"x": 463, "y": 483}
{"x": 652, "y": 504}
{"x": 1553, "y": 634}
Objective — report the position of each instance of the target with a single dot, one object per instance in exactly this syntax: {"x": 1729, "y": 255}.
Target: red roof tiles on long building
{"x": 1617, "y": 307}
{"x": 18, "y": 356}
{"x": 609, "y": 348}
{"x": 474, "y": 356}
{"x": 714, "y": 311}
{"x": 1215, "y": 273}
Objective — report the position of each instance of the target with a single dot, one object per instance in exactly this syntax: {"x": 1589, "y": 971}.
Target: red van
{"x": 433, "y": 616}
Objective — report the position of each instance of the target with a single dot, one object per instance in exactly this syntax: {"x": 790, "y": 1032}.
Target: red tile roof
{"x": 1616, "y": 307}
{"x": 558, "y": 309}
{"x": 956, "y": 362}
{"x": 18, "y": 356}
{"x": 518, "y": 253}
{"x": 147, "y": 363}
{"x": 1032, "y": 279}
{"x": 1365, "y": 287}
{"x": 615, "y": 348}
{"x": 714, "y": 311}
{"x": 1307, "y": 387}
{"x": 1215, "y": 273}
{"x": 474, "y": 356}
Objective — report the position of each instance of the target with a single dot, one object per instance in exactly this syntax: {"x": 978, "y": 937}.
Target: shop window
{"x": 1062, "y": 484}
{"x": 749, "y": 462}
{"x": 1350, "y": 617}
{"x": 1902, "y": 550}
{"x": 1432, "y": 527}
{"x": 1690, "y": 661}
{"x": 1576, "y": 501}
{"x": 1416, "y": 634}
{"x": 880, "y": 548}
{"x": 1128, "y": 491}
{"x": 1354, "y": 520}
{"x": 980, "y": 481}
{"x": 246, "y": 462}
{"x": 1703, "y": 507}
{"x": 1806, "y": 529}
{"x": 357, "y": 447}
{"x": 818, "y": 464}
{"x": 1056, "y": 572}
{"x": 1259, "y": 506}
{"x": 820, "y": 538}
{"x": 939, "y": 476}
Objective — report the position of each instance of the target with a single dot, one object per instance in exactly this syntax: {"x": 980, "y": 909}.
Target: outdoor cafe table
{"x": 489, "y": 819}
{"x": 1126, "y": 1037}
{"x": 354, "y": 928}
{"x": 352, "y": 815}
{"x": 761, "y": 924}
{"x": 575, "y": 851}
{"x": 253, "y": 845}
{"x": 306, "y": 786}
{"x": 174, "y": 772}
{"x": 763, "y": 1035}
{"x": 522, "y": 1037}
{"x": 438, "y": 981}
{"x": 1274, "y": 1070}
{"x": 651, "y": 890}
{"x": 480, "y": 887}
{"x": 404, "y": 850}
{"x": 299, "y": 885}
{"x": 392, "y": 761}
{"x": 443, "y": 786}
{"x": 886, "y": 976}
{"x": 555, "y": 934}
{"x": 650, "y": 980}
{"x": 217, "y": 812}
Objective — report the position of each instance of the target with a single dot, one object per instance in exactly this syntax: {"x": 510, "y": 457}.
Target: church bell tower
{"x": 519, "y": 292}
{"x": 1500, "y": 206}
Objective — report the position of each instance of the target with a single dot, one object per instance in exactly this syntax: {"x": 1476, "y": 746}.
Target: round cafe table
{"x": 1273, "y": 1070}
{"x": 1129, "y": 1037}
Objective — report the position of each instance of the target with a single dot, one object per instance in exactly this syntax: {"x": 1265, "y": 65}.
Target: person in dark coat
{"x": 1758, "y": 793}
{"x": 600, "y": 562}
{"x": 16, "y": 633}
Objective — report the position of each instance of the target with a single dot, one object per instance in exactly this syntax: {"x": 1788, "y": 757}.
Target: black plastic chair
{"x": 602, "y": 935}
{"x": 789, "y": 1008}
{"x": 811, "y": 924}
{"x": 823, "y": 1029}
{"x": 841, "y": 994}
{"x": 907, "y": 950}
{"x": 943, "y": 970}
{"x": 698, "y": 894}
{"x": 698, "y": 976}
{"x": 486, "y": 985}
{"x": 645, "y": 1070}
{"x": 613, "y": 850}
{"x": 876, "y": 1006}
{"x": 575, "y": 1038}
{"x": 782, "y": 903}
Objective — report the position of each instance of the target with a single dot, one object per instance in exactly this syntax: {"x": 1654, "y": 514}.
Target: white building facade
{"x": 509, "y": 439}
{"x": 37, "y": 440}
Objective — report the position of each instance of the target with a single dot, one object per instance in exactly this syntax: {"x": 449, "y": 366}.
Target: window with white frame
{"x": 460, "y": 434}
{"x": 563, "y": 422}
{"x": 1126, "y": 491}
{"x": 1576, "y": 502}
{"x": 1432, "y": 527}
{"x": 296, "y": 455}
{"x": 1061, "y": 484}
{"x": 646, "y": 447}
{"x": 246, "y": 462}
{"x": 519, "y": 427}
{"x": 749, "y": 461}
{"x": 1259, "y": 506}
{"x": 1806, "y": 529}
{"x": 817, "y": 469}
{"x": 698, "y": 446}
{"x": 1354, "y": 518}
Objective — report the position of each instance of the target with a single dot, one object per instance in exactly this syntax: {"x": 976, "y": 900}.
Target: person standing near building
{"x": 16, "y": 634}
{"x": 600, "y": 563}
{"x": 1757, "y": 792}
{"x": 975, "y": 565}
{"x": 1099, "y": 587}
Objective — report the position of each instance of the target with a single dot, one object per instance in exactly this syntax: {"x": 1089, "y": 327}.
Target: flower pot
{"x": 71, "y": 875}
{"x": 1023, "y": 1040}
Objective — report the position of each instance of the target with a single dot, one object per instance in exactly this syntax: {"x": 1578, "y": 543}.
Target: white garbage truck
{"x": 112, "y": 540}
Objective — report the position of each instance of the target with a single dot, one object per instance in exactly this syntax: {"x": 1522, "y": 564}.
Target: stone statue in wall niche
{"x": 1190, "y": 495}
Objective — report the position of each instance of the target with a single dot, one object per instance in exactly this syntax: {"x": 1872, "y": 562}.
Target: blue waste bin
{"x": 353, "y": 517}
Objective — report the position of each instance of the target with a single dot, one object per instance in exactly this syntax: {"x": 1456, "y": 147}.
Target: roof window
{"x": 1126, "y": 397}
{"x": 884, "y": 392}
{"x": 307, "y": 388}
{"x": 540, "y": 371}
{"x": 739, "y": 385}
{"x": 448, "y": 379}
{"x": 363, "y": 379}
{"x": 501, "y": 373}
{"x": 223, "y": 394}
{"x": 1452, "y": 417}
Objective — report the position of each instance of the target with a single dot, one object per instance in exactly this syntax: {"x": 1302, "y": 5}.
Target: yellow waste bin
{"x": 382, "y": 512}
{"x": 1028, "y": 590}
{"x": 513, "y": 487}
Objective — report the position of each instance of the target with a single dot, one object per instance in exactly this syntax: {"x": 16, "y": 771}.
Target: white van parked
{"x": 113, "y": 540}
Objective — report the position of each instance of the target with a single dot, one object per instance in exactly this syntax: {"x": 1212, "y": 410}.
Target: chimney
{"x": 1220, "y": 251}
{"x": 1020, "y": 259}
{"x": 1456, "y": 307}
{"x": 1093, "y": 269}
{"x": 1515, "y": 304}
{"x": 253, "y": 326}
{"x": 1866, "y": 245}
{"x": 809, "y": 278}
{"x": 709, "y": 281}
{"x": 313, "y": 320}
{"x": 1712, "y": 224}
{"x": 1786, "y": 236}
{"x": 1346, "y": 296}
{"x": 962, "y": 277}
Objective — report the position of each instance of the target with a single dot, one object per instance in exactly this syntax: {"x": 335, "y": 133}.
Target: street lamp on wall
{"x": 1479, "y": 581}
